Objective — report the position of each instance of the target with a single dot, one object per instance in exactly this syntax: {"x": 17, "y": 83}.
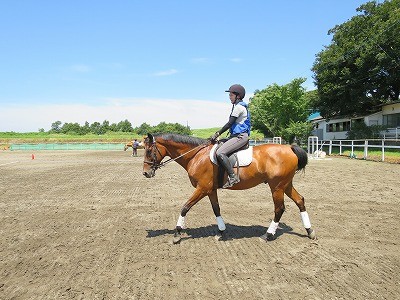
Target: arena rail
{"x": 68, "y": 146}
{"x": 377, "y": 144}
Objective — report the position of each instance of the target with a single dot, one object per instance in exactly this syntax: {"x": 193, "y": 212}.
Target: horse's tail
{"x": 301, "y": 155}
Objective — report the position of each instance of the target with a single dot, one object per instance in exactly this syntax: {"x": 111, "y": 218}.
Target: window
{"x": 339, "y": 126}
{"x": 392, "y": 120}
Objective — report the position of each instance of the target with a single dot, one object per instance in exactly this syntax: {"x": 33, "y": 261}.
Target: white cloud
{"x": 236, "y": 60}
{"x": 80, "y": 68}
{"x": 166, "y": 73}
{"x": 196, "y": 113}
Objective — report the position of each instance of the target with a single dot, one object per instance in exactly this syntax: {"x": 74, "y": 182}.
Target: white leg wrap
{"x": 221, "y": 224}
{"x": 181, "y": 222}
{"x": 305, "y": 219}
{"x": 272, "y": 227}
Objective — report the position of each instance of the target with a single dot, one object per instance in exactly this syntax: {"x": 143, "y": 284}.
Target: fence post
{"x": 340, "y": 147}
{"x": 330, "y": 147}
{"x": 366, "y": 149}
{"x": 383, "y": 150}
{"x": 312, "y": 145}
{"x": 352, "y": 149}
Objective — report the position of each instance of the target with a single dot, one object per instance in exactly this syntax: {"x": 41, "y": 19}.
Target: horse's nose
{"x": 147, "y": 174}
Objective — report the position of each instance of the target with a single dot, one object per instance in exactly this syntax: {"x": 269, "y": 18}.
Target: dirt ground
{"x": 88, "y": 225}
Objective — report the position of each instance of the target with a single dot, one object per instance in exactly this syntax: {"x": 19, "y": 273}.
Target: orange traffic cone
{"x": 33, "y": 156}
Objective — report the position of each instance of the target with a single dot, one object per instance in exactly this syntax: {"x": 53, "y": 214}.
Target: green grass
{"x": 207, "y": 132}
{"x": 391, "y": 155}
{"x": 39, "y": 137}
{"x": 116, "y": 137}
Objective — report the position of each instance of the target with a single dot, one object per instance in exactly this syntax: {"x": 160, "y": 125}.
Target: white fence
{"x": 391, "y": 133}
{"x": 274, "y": 140}
{"x": 366, "y": 145}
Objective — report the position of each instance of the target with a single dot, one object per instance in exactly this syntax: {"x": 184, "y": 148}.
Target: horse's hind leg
{"x": 217, "y": 212}
{"x": 291, "y": 192}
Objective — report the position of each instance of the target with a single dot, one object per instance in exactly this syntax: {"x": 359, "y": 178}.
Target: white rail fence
{"x": 274, "y": 140}
{"x": 391, "y": 133}
{"x": 315, "y": 147}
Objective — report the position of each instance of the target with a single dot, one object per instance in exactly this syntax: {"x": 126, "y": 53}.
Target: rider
{"x": 239, "y": 128}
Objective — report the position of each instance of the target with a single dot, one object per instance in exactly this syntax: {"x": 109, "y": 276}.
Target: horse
{"x": 273, "y": 164}
{"x": 129, "y": 144}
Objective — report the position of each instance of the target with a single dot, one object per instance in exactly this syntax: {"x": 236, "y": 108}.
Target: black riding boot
{"x": 226, "y": 164}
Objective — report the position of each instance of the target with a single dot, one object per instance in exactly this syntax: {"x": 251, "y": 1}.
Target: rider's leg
{"x": 227, "y": 148}
{"x": 226, "y": 164}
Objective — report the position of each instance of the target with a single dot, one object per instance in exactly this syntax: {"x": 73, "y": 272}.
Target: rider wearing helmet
{"x": 239, "y": 128}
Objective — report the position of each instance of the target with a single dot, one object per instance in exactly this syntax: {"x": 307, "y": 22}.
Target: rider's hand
{"x": 214, "y": 137}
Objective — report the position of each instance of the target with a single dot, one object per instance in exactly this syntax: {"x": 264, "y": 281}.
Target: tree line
{"x": 122, "y": 126}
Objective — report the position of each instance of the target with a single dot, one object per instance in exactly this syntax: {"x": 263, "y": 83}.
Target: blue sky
{"x": 152, "y": 61}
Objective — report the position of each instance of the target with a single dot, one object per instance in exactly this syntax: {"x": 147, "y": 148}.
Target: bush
{"x": 359, "y": 130}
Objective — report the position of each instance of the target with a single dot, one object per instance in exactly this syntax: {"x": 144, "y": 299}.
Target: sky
{"x": 152, "y": 61}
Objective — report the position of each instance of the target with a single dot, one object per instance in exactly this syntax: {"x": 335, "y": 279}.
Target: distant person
{"x": 239, "y": 128}
{"x": 135, "y": 145}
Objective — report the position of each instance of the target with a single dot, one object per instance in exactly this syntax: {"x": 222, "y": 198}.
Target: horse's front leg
{"x": 198, "y": 194}
{"x": 217, "y": 212}
{"x": 278, "y": 197}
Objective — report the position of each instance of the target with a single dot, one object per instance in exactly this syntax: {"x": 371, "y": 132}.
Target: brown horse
{"x": 129, "y": 144}
{"x": 274, "y": 164}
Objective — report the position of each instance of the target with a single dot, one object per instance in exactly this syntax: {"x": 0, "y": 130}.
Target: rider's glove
{"x": 214, "y": 137}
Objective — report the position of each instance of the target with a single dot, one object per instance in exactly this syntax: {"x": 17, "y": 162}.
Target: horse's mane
{"x": 179, "y": 138}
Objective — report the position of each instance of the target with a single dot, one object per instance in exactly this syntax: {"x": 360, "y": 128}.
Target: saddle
{"x": 243, "y": 157}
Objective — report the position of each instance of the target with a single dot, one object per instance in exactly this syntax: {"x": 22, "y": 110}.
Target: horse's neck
{"x": 175, "y": 150}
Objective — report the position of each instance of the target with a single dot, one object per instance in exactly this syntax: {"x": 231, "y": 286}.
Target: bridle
{"x": 154, "y": 165}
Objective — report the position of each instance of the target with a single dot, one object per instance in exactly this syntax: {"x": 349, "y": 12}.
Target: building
{"x": 337, "y": 129}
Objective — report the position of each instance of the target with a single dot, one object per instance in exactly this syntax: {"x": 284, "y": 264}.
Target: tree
{"x": 95, "y": 128}
{"x": 72, "y": 128}
{"x": 56, "y": 127}
{"x": 143, "y": 129}
{"x": 281, "y": 110}
{"x": 360, "y": 69}
{"x": 86, "y": 128}
{"x": 113, "y": 127}
{"x": 105, "y": 126}
{"x": 125, "y": 126}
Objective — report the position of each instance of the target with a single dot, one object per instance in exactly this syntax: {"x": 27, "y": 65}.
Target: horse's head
{"x": 153, "y": 155}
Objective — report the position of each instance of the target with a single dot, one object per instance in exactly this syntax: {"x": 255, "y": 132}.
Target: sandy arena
{"x": 89, "y": 225}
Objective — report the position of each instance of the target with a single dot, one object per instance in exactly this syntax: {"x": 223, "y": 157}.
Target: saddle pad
{"x": 245, "y": 157}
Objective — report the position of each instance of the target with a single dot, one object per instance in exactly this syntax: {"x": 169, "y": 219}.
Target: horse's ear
{"x": 151, "y": 138}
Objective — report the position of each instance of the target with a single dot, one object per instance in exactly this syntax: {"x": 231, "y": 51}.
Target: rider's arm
{"x": 227, "y": 125}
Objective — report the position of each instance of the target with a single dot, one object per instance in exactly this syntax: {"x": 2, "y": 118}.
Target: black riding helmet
{"x": 238, "y": 90}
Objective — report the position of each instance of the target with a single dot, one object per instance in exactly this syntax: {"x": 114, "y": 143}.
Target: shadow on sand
{"x": 232, "y": 232}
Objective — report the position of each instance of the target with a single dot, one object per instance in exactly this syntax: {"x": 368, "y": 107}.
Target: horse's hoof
{"x": 220, "y": 236}
{"x": 177, "y": 238}
{"x": 311, "y": 234}
{"x": 267, "y": 237}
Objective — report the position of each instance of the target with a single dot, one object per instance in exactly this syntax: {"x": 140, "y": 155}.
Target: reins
{"x": 156, "y": 166}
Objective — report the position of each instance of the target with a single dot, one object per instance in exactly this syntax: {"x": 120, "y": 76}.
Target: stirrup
{"x": 231, "y": 181}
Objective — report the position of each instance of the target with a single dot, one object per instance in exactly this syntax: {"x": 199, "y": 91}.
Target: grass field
{"x": 392, "y": 156}
{"x": 7, "y": 138}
